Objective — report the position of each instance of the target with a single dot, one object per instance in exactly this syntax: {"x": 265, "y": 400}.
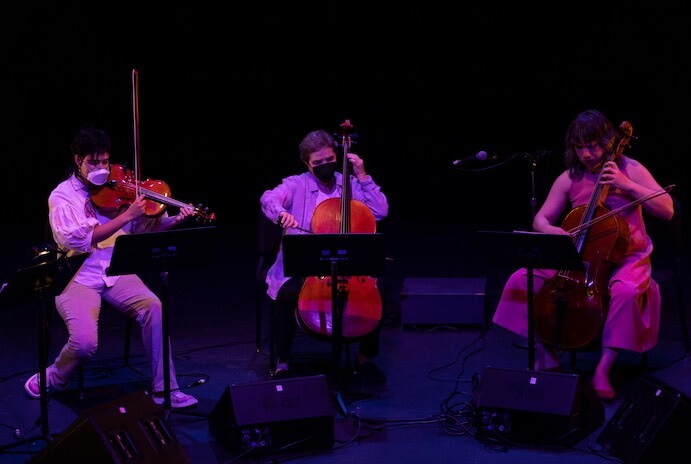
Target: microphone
{"x": 197, "y": 383}
{"x": 480, "y": 156}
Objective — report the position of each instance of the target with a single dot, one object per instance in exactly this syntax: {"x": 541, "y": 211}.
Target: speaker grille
{"x": 128, "y": 430}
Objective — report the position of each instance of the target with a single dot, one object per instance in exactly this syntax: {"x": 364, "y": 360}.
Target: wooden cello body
{"x": 359, "y": 300}
{"x": 571, "y": 307}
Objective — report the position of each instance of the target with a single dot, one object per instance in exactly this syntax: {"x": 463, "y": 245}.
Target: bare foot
{"x": 602, "y": 387}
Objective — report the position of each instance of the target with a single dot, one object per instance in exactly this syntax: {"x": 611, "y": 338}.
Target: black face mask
{"x": 325, "y": 172}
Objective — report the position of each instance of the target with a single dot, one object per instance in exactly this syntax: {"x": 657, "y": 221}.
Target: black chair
{"x": 668, "y": 264}
{"x": 269, "y": 235}
{"x": 268, "y": 242}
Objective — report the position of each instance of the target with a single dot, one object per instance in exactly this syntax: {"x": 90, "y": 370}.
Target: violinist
{"x": 632, "y": 320}
{"x": 292, "y": 204}
{"x": 78, "y": 226}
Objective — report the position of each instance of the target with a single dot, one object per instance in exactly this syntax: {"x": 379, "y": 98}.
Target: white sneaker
{"x": 32, "y": 386}
{"x": 178, "y": 399}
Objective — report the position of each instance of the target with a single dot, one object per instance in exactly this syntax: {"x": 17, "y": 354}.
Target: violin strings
{"x": 158, "y": 197}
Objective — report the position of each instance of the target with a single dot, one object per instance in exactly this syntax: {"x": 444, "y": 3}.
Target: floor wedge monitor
{"x": 535, "y": 407}
{"x": 289, "y": 414}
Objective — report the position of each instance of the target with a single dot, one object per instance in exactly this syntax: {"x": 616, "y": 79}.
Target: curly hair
{"x": 90, "y": 140}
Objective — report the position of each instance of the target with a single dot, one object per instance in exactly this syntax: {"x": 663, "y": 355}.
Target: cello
{"x": 571, "y": 307}
{"x": 351, "y": 307}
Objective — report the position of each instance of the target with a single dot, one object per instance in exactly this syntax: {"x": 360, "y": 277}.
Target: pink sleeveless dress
{"x": 633, "y": 318}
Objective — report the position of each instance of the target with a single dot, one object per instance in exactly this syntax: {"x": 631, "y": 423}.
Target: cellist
{"x": 292, "y": 204}
{"x": 633, "y": 316}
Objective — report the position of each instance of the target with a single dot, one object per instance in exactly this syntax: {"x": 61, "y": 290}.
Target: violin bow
{"x": 135, "y": 129}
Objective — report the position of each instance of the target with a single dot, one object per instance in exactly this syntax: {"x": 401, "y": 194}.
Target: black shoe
{"x": 369, "y": 372}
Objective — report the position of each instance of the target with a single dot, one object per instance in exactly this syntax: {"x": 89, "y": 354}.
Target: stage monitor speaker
{"x": 651, "y": 425}
{"x": 131, "y": 429}
{"x": 286, "y": 415}
{"x": 535, "y": 408}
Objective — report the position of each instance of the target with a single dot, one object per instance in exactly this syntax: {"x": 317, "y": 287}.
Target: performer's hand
{"x": 358, "y": 166}
{"x": 557, "y": 231}
{"x": 184, "y": 214}
{"x": 287, "y": 220}
{"x": 611, "y": 175}
{"x": 137, "y": 208}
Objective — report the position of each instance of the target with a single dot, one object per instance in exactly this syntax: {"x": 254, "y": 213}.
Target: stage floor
{"x": 425, "y": 412}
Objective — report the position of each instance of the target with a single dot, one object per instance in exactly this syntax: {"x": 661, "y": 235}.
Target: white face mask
{"x": 98, "y": 177}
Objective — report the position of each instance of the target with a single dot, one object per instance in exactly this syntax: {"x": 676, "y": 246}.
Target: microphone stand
{"x": 533, "y": 200}
{"x": 522, "y": 343}
{"x": 532, "y": 158}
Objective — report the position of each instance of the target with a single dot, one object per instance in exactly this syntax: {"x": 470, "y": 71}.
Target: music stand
{"x": 162, "y": 252}
{"x": 42, "y": 280}
{"x": 531, "y": 250}
{"x": 335, "y": 255}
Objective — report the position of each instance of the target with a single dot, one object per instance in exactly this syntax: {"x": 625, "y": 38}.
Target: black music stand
{"x": 41, "y": 281}
{"x": 162, "y": 252}
{"x": 531, "y": 250}
{"x": 335, "y": 255}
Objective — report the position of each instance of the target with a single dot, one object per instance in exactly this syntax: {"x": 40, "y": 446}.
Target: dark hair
{"x": 90, "y": 140}
{"x": 588, "y": 127}
{"x": 315, "y": 141}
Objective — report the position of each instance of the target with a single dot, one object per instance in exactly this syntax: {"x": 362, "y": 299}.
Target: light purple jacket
{"x": 298, "y": 196}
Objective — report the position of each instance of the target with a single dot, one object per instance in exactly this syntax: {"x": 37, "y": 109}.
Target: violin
{"x": 121, "y": 189}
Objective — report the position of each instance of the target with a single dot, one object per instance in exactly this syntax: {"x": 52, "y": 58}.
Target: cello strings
{"x": 573, "y": 232}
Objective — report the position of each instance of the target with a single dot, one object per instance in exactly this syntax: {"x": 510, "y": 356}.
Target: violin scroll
{"x": 202, "y": 213}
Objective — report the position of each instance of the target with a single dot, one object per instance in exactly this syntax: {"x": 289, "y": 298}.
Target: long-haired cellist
{"x": 632, "y": 320}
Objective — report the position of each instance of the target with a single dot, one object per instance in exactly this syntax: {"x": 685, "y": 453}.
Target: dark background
{"x": 228, "y": 90}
